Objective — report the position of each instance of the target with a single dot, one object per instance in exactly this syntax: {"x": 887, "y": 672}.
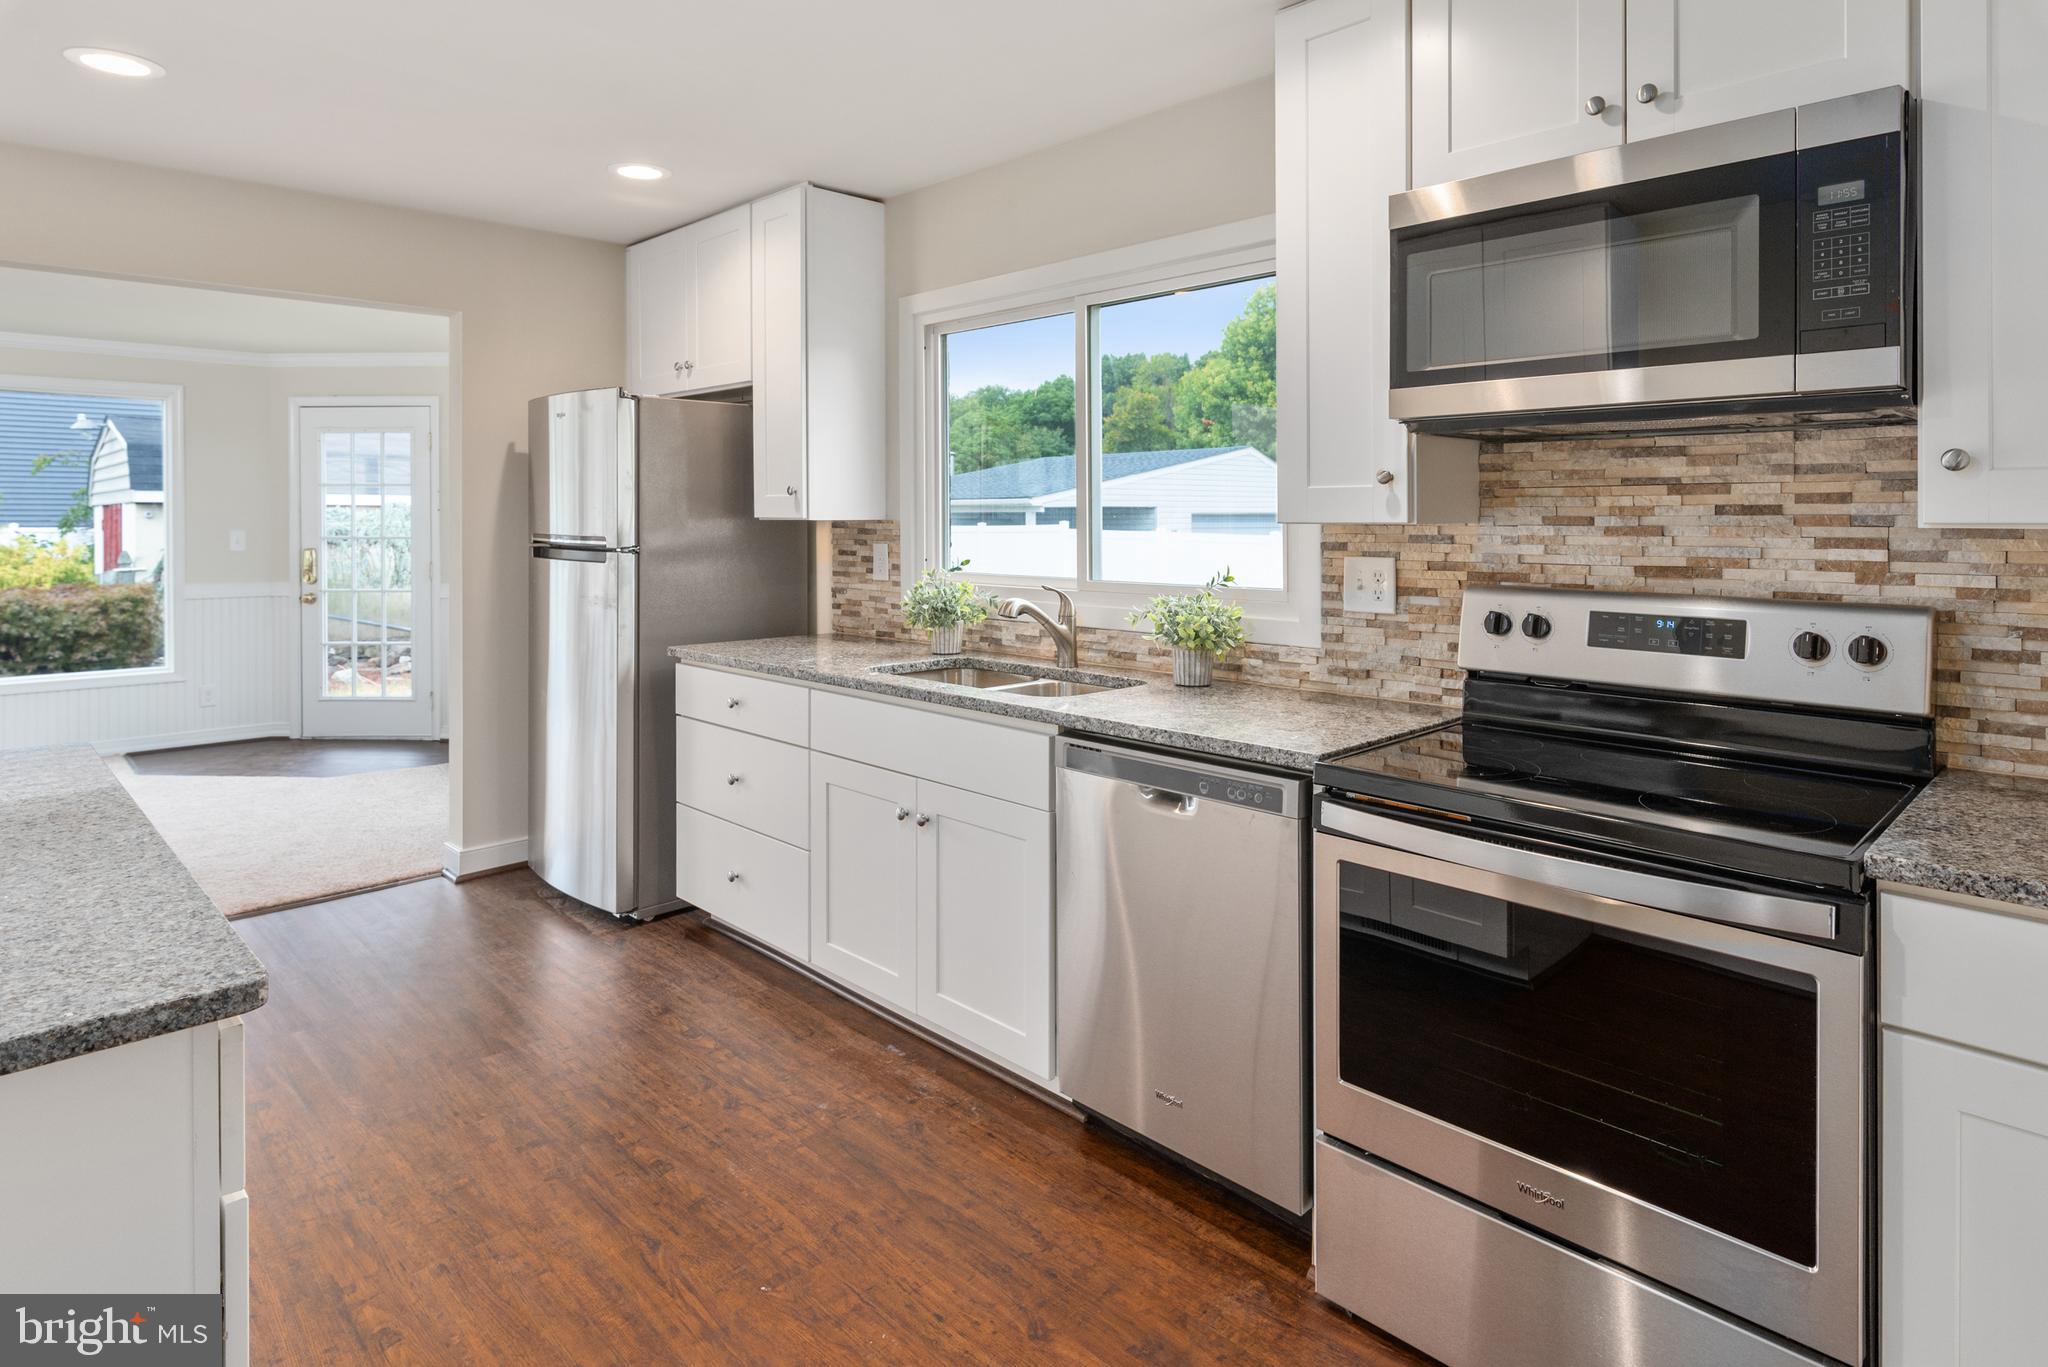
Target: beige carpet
{"x": 258, "y": 843}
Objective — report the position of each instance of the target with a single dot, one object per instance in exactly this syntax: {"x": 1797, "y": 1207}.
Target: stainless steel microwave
{"x": 1757, "y": 267}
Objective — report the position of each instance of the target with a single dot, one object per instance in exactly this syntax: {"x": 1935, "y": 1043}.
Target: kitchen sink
{"x": 992, "y": 678}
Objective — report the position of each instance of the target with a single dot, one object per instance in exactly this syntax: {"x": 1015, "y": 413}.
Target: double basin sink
{"x": 985, "y": 677}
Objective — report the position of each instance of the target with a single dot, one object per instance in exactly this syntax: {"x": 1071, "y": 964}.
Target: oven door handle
{"x": 1708, "y": 902}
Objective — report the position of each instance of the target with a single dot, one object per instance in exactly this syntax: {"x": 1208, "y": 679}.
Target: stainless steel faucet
{"x": 1065, "y": 632}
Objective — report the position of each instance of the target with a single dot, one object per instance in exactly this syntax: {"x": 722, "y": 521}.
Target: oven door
{"x": 1683, "y": 1096}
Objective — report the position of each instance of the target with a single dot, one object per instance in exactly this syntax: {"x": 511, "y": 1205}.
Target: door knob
{"x": 1384, "y": 477}
{"x": 1646, "y": 93}
{"x": 1955, "y": 458}
{"x": 923, "y": 819}
{"x": 1596, "y": 105}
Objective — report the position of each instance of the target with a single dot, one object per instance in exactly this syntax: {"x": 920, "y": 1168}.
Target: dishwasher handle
{"x": 1178, "y": 782}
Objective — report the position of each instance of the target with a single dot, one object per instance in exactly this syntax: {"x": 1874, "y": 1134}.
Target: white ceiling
{"x": 54, "y": 304}
{"x": 513, "y": 110}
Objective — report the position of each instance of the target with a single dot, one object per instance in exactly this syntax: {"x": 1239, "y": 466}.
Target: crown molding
{"x": 163, "y": 351}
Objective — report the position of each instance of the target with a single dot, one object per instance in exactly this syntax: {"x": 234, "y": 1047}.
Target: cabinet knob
{"x": 902, "y": 813}
{"x": 1596, "y": 105}
{"x": 1384, "y": 477}
{"x": 923, "y": 819}
{"x": 679, "y": 367}
{"x": 790, "y": 490}
{"x": 731, "y": 703}
{"x": 731, "y": 780}
{"x": 1955, "y": 458}
{"x": 1646, "y": 93}
{"x": 689, "y": 365}
{"x": 732, "y": 876}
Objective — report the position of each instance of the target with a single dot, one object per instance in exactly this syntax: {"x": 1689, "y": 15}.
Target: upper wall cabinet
{"x": 1504, "y": 83}
{"x": 1341, "y": 91}
{"x": 819, "y": 365}
{"x": 689, "y": 301}
{"x": 1690, "y": 65}
{"x": 1983, "y": 146}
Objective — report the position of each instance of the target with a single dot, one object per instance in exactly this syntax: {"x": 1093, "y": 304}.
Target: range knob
{"x": 1498, "y": 624}
{"x": 1868, "y": 651}
{"x": 1536, "y": 626}
{"x": 1811, "y": 647}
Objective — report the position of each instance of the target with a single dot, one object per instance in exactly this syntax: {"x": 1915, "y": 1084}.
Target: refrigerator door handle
{"x": 568, "y": 553}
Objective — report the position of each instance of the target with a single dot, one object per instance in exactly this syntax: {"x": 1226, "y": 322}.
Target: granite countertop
{"x": 104, "y": 937}
{"x": 1280, "y": 727}
{"x": 1976, "y": 834}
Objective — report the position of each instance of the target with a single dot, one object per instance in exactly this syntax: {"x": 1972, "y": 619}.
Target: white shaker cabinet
{"x": 1963, "y": 1212}
{"x": 1341, "y": 93}
{"x": 1690, "y": 65}
{"x": 1501, "y": 83}
{"x": 820, "y": 384}
{"x": 984, "y": 923}
{"x": 689, "y": 307}
{"x": 1983, "y": 154}
{"x": 864, "y": 877}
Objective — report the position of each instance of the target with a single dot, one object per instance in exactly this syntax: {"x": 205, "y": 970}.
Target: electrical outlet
{"x": 209, "y": 695}
{"x": 1368, "y": 583}
{"x": 881, "y": 560}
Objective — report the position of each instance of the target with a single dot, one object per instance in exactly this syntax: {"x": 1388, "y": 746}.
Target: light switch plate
{"x": 1368, "y": 583}
{"x": 881, "y": 560}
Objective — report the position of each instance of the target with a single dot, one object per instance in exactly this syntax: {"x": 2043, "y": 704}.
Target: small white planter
{"x": 1192, "y": 668}
{"x": 946, "y": 640}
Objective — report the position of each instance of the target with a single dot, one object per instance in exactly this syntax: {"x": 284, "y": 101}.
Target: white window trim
{"x": 1210, "y": 256}
{"x": 172, "y": 396}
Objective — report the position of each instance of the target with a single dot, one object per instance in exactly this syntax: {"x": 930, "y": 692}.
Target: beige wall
{"x": 534, "y": 313}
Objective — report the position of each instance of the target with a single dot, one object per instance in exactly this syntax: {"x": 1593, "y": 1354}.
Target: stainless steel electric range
{"x": 1593, "y": 984}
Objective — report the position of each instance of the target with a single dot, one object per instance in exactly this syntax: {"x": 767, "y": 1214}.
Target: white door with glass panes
{"x": 365, "y": 570}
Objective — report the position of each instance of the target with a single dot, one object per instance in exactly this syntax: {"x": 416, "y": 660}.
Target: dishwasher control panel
{"x": 1182, "y": 778}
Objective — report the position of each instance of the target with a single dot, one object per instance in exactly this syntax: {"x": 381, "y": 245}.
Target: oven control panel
{"x": 1851, "y": 261}
{"x": 1846, "y": 655}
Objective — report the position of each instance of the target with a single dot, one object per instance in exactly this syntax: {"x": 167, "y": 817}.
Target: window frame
{"x": 172, "y": 397}
{"x": 1291, "y": 615}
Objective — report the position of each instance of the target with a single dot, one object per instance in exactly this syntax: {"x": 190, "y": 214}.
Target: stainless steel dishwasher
{"x": 1181, "y": 989}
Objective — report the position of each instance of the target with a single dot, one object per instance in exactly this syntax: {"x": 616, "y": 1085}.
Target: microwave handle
{"x": 1731, "y": 906}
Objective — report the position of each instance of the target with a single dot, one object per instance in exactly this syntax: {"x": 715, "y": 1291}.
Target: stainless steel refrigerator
{"x": 644, "y": 537}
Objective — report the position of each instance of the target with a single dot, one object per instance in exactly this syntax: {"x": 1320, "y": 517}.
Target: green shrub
{"x": 72, "y": 628}
{"x": 27, "y": 563}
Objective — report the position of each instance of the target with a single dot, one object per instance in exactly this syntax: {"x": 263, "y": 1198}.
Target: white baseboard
{"x": 174, "y": 740}
{"x": 467, "y": 861}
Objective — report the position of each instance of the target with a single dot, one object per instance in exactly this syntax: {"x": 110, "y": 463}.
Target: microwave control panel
{"x": 1850, "y": 258}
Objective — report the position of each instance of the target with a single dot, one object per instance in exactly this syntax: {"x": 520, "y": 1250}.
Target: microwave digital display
{"x": 1842, "y": 192}
{"x": 1724, "y": 638}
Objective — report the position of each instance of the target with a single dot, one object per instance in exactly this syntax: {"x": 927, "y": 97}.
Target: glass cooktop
{"x": 1776, "y": 822}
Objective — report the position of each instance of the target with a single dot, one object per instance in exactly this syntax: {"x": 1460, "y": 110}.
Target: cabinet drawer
{"x": 1964, "y": 973}
{"x": 754, "y": 884}
{"x": 983, "y": 757}
{"x": 744, "y": 702}
{"x": 748, "y": 780}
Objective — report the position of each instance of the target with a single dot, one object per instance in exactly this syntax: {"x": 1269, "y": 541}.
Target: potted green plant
{"x": 1202, "y": 627}
{"x": 942, "y": 605}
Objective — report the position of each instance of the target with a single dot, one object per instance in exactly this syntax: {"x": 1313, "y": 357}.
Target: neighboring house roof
{"x": 143, "y": 434}
{"x": 1028, "y": 479}
{"x": 38, "y": 424}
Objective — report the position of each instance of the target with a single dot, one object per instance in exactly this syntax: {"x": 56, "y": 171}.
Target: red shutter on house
{"x": 110, "y": 536}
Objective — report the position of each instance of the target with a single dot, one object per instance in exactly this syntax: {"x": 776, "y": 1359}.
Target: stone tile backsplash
{"x": 1826, "y": 514}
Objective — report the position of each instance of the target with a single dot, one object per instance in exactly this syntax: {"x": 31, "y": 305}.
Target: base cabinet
{"x": 984, "y": 923}
{"x": 864, "y": 878}
{"x": 1965, "y": 1224}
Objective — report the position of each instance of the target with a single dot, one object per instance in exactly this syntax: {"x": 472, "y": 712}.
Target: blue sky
{"x": 1025, "y": 355}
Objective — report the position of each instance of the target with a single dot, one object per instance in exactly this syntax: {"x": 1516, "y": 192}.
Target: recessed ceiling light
{"x": 109, "y": 63}
{"x": 639, "y": 170}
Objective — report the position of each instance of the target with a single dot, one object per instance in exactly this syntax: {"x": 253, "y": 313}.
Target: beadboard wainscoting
{"x": 239, "y": 640}
{"x": 1823, "y": 514}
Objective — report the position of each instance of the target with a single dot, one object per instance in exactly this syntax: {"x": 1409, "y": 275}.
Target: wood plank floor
{"x": 486, "y": 1127}
{"x": 284, "y": 758}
